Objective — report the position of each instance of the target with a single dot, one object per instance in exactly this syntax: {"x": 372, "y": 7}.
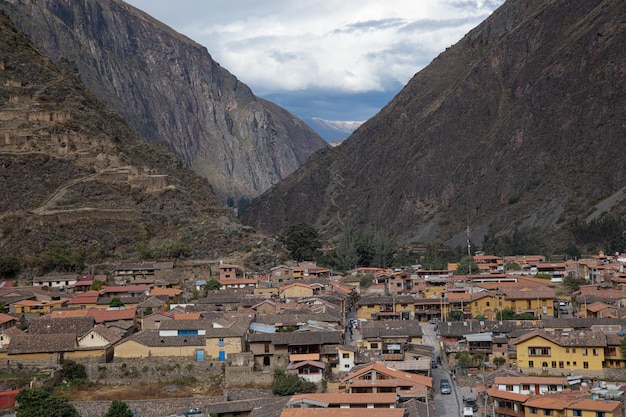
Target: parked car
{"x": 468, "y": 412}
{"x": 470, "y": 402}
{"x": 445, "y": 387}
{"x": 433, "y": 363}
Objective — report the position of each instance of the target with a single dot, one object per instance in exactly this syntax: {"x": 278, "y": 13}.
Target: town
{"x": 513, "y": 339}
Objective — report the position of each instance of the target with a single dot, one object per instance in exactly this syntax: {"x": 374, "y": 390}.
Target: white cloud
{"x": 354, "y": 46}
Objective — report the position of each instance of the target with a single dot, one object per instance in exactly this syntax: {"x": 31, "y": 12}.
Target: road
{"x": 445, "y": 404}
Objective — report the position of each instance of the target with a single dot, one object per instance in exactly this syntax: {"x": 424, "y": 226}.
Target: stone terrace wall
{"x": 151, "y": 370}
{"x": 148, "y": 408}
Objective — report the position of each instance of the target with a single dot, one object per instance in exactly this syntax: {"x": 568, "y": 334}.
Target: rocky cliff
{"x": 170, "y": 90}
{"x": 78, "y": 185}
{"x": 521, "y": 124}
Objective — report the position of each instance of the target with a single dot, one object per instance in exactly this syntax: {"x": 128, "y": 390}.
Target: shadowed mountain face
{"x": 78, "y": 182}
{"x": 521, "y": 124}
{"x": 170, "y": 90}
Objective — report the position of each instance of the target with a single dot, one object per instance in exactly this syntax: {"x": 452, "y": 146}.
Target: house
{"x": 309, "y": 370}
{"x": 556, "y": 353}
{"x": 50, "y": 340}
{"x": 7, "y": 334}
{"x": 279, "y": 349}
{"x": 378, "y": 378}
{"x": 61, "y": 282}
{"x": 84, "y": 300}
{"x": 342, "y": 412}
{"x": 507, "y": 403}
{"x": 152, "y": 304}
{"x": 342, "y": 400}
{"x": 38, "y": 307}
{"x": 234, "y": 283}
{"x": 295, "y": 290}
{"x": 346, "y": 355}
{"x": 386, "y": 307}
{"x": 191, "y": 339}
{"x": 532, "y": 385}
{"x": 229, "y": 271}
{"x": 153, "y": 321}
{"x": 7, "y": 321}
{"x": 173, "y": 295}
{"x": 394, "y": 339}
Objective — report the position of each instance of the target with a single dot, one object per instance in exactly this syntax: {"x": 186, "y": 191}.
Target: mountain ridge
{"x": 80, "y": 186}
{"x": 473, "y": 138}
{"x": 170, "y": 90}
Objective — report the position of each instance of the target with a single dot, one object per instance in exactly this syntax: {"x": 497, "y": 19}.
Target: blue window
{"x": 221, "y": 342}
{"x": 188, "y": 333}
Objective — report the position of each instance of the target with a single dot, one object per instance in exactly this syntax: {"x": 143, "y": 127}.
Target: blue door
{"x": 222, "y": 355}
{"x": 200, "y": 355}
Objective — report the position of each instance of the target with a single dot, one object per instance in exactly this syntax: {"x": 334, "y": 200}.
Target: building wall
{"x": 297, "y": 291}
{"x": 570, "y": 357}
{"x": 230, "y": 345}
{"x": 132, "y": 349}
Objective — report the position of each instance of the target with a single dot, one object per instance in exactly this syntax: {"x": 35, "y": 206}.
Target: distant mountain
{"x": 170, "y": 90}
{"x": 78, "y": 185}
{"x": 332, "y": 131}
{"x": 519, "y": 126}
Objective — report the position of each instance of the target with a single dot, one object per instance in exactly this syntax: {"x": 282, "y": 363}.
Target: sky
{"x": 333, "y": 59}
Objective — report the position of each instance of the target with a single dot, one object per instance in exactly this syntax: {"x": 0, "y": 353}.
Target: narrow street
{"x": 445, "y": 404}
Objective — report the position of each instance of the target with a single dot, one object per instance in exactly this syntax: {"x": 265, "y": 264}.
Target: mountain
{"x": 169, "y": 90}
{"x": 519, "y": 126}
{"x": 79, "y": 185}
{"x": 333, "y": 131}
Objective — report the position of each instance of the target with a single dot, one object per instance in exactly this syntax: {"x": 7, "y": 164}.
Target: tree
{"x": 290, "y": 384}
{"x": 9, "y": 267}
{"x": 116, "y": 302}
{"x": 118, "y": 409}
{"x": 212, "y": 284}
{"x": 573, "y": 283}
{"x": 73, "y": 371}
{"x": 455, "y": 315}
{"x": 466, "y": 265}
{"x": 40, "y": 402}
{"x": 506, "y": 314}
{"x": 96, "y": 285}
{"x": 498, "y": 361}
{"x": 463, "y": 359}
{"x": 346, "y": 255}
{"x": 302, "y": 242}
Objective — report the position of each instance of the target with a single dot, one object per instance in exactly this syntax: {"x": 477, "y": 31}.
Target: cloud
{"x": 351, "y": 47}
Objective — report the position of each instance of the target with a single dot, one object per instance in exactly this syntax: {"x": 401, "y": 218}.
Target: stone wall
{"x": 151, "y": 370}
{"x": 148, "y": 408}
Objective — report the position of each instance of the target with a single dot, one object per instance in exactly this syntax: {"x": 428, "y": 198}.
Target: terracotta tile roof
{"x": 347, "y": 398}
{"x": 88, "y": 297}
{"x": 595, "y": 405}
{"x": 76, "y": 325}
{"x": 415, "y": 378}
{"x": 529, "y": 293}
{"x": 152, "y": 338}
{"x": 388, "y": 328}
{"x": 42, "y": 343}
{"x": 6, "y": 318}
{"x": 170, "y": 292}
{"x": 300, "y": 364}
{"x": 574, "y": 338}
{"x": 507, "y": 395}
{"x": 342, "y": 412}
{"x": 514, "y": 380}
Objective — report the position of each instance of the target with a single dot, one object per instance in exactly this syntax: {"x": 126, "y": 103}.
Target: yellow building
{"x": 552, "y": 353}
{"x": 386, "y": 307}
{"x": 296, "y": 290}
{"x": 34, "y": 306}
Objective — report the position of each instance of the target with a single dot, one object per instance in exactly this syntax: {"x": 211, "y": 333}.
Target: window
{"x": 547, "y": 412}
{"x": 220, "y": 342}
{"x": 531, "y": 364}
{"x": 566, "y": 350}
{"x": 595, "y": 352}
{"x": 346, "y": 356}
{"x": 561, "y": 364}
{"x": 267, "y": 348}
{"x": 574, "y": 363}
{"x": 600, "y": 414}
{"x": 525, "y": 387}
{"x": 553, "y": 364}
{"x": 538, "y": 351}
{"x": 584, "y": 351}
{"x": 374, "y": 346}
{"x": 577, "y": 413}
{"x": 586, "y": 365}
{"x": 487, "y": 304}
{"x": 568, "y": 364}
{"x": 532, "y": 410}
{"x": 573, "y": 350}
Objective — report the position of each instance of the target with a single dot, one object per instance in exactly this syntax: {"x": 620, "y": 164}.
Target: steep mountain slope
{"x": 521, "y": 124}
{"x": 77, "y": 180}
{"x": 170, "y": 90}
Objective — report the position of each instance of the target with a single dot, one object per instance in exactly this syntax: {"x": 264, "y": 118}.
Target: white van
{"x": 468, "y": 412}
